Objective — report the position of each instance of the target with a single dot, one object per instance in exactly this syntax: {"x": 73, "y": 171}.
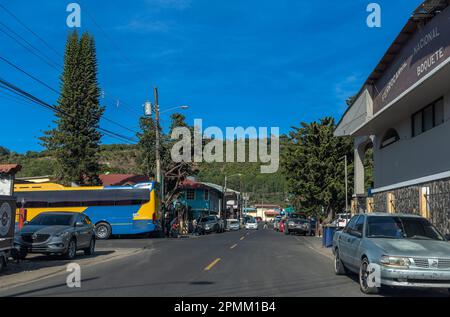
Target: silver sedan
{"x": 397, "y": 250}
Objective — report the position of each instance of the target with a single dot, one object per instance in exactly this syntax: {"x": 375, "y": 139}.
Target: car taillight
{"x": 154, "y": 217}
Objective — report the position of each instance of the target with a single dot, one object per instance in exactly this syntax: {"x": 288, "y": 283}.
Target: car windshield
{"x": 233, "y": 222}
{"x": 52, "y": 220}
{"x": 402, "y": 228}
{"x": 252, "y": 221}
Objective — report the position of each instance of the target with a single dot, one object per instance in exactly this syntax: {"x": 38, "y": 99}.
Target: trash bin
{"x": 328, "y": 236}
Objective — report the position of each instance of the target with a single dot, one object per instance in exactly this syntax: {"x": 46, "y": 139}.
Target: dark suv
{"x": 57, "y": 233}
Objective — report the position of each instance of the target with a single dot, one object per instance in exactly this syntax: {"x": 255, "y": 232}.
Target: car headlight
{"x": 394, "y": 261}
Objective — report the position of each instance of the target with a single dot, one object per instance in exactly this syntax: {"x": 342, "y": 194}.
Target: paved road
{"x": 259, "y": 263}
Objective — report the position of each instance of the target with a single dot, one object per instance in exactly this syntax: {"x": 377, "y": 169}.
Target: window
{"x": 429, "y": 117}
{"x": 359, "y": 225}
{"x": 389, "y": 138}
{"x": 206, "y": 194}
{"x": 190, "y": 194}
{"x": 351, "y": 224}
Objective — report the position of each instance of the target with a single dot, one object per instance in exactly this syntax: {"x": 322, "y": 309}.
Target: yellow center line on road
{"x": 213, "y": 263}
{"x": 233, "y": 246}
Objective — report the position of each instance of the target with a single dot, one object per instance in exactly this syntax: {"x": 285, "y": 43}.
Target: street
{"x": 235, "y": 264}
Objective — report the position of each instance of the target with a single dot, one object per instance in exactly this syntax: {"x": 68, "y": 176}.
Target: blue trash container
{"x": 329, "y": 234}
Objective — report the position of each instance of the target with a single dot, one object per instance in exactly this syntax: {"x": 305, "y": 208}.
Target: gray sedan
{"x": 57, "y": 233}
{"x": 396, "y": 250}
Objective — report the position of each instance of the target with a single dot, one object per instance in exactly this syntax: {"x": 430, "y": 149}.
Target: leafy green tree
{"x": 74, "y": 142}
{"x": 314, "y": 167}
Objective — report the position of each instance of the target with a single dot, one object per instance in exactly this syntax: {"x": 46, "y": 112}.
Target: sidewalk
{"x": 315, "y": 243}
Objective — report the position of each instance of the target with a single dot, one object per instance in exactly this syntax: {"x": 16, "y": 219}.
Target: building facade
{"x": 403, "y": 112}
{"x": 267, "y": 212}
{"x": 202, "y": 199}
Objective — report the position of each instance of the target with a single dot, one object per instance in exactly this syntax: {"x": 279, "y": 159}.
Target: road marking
{"x": 233, "y": 246}
{"x": 242, "y": 238}
{"x": 209, "y": 267}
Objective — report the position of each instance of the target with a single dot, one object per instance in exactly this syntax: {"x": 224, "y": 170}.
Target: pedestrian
{"x": 194, "y": 225}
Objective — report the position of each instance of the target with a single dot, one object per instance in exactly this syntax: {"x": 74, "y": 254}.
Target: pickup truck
{"x": 394, "y": 250}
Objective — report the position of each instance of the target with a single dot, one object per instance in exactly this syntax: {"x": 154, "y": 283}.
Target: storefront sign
{"x": 425, "y": 51}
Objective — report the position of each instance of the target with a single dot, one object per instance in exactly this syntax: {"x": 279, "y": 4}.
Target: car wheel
{"x": 103, "y": 231}
{"x": 339, "y": 267}
{"x": 364, "y": 279}
{"x": 71, "y": 251}
{"x": 22, "y": 254}
{"x": 91, "y": 249}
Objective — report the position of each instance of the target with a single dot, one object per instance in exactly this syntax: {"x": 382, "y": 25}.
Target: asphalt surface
{"x": 247, "y": 264}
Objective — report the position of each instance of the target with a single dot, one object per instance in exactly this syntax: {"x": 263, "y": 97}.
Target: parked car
{"x": 233, "y": 225}
{"x": 61, "y": 233}
{"x": 210, "y": 224}
{"x": 341, "y": 220}
{"x": 251, "y": 225}
{"x": 297, "y": 225}
{"x": 408, "y": 250}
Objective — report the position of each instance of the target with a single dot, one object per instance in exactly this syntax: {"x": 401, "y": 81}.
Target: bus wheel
{"x": 103, "y": 231}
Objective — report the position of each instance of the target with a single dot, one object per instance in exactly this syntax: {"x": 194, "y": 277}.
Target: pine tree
{"x": 74, "y": 141}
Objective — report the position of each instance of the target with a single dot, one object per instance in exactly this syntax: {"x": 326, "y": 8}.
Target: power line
{"x": 30, "y": 30}
{"x": 20, "y": 92}
{"x": 57, "y": 92}
{"x": 28, "y": 74}
{"x": 28, "y": 49}
{"x": 53, "y": 49}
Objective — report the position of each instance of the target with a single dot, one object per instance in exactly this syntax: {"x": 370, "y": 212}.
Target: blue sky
{"x": 235, "y": 63}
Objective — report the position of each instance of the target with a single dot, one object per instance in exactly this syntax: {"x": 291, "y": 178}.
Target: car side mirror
{"x": 356, "y": 233}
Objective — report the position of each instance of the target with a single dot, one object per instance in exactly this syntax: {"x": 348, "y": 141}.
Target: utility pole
{"x": 157, "y": 139}
{"x": 346, "y": 185}
{"x": 225, "y": 211}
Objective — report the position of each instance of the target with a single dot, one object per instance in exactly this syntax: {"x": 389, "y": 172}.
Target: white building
{"x": 403, "y": 111}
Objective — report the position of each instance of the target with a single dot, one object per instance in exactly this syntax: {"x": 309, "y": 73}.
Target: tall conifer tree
{"x": 75, "y": 140}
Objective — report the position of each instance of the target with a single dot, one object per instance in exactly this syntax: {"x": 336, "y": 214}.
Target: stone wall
{"x": 407, "y": 200}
